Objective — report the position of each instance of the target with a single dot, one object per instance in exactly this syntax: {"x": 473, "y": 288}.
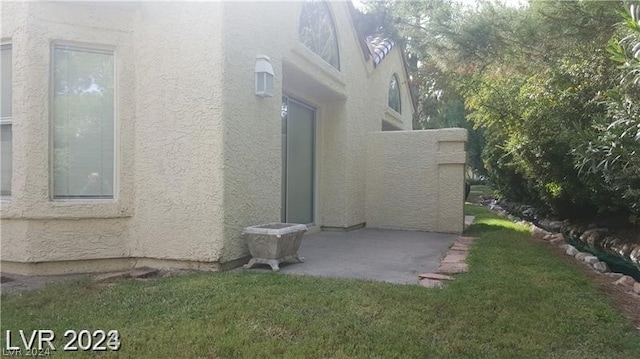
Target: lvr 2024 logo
{"x": 42, "y": 341}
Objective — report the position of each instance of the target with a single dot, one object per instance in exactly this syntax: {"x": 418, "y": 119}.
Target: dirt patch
{"x": 12, "y": 283}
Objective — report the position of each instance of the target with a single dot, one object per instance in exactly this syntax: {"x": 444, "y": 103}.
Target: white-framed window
{"x": 83, "y": 122}
{"x": 318, "y": 32}
{"x": 394, "y": 94}
{"x": 6, "y": 120}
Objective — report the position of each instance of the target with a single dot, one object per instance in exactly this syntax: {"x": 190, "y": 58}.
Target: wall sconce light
{"x": 264, "y": 76}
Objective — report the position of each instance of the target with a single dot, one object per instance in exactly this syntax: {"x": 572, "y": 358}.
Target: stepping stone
{"x": 455, "y": 257}
{"x": 452, "y": 268}
{"x": 436, "y": 276}
{"x": 143, "y": 272}
{"x": 466, "y": 240}
{"x": 111, "y": 276}
{"x": 431, "y": 283}
{"x": 459, "y": 247}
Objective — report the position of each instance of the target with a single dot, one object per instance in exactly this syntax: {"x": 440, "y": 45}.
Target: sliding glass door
{"x": 298, "y": 170}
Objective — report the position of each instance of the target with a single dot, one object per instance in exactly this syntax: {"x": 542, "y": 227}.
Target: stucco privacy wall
{"x": 421, "y": 191}
{"x": 368, "y": 109}
{"x": 179, "y": 131}
{"x": 169, "y": 139}
{"x": 34, "y": 228}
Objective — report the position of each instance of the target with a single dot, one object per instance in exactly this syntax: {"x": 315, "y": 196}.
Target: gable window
{"x": 318, "y": 33}
{"x": 6, "y": 131}
{"x": 394, "y": 94}
{"x": 83, "y": 123}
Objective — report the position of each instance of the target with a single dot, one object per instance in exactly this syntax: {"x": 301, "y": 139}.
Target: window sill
{"x": 394, "y": 118}
{"x": 312, "y": 58}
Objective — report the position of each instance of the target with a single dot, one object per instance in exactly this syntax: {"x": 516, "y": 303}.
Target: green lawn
{"x": 518, "y": 300}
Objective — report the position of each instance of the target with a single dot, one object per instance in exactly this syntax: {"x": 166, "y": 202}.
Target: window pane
{"x": 5, "y": 160}
{"x": 394, "y": 94}
{"x": 83, "y": 123}
{"x": 6, "y": 148}
{"x": 5, "y": 89}
{"x": 317, "y": 31}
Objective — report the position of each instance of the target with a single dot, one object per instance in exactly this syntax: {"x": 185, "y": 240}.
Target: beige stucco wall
{"x": 34, "y": 228}
{"x": 179, "y": 132}
{"x": 168, "y": 204}
{"x": 253, "y": 156}
{"x": 415, "y": 180}
{"x": 350, "y": 103}
{"x": 199, "y": 155}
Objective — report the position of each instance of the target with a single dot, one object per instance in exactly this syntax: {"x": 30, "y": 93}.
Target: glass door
{"x": 298, "y": 170}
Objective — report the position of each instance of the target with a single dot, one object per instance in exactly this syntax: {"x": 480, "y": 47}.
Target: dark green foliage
{"x": 610, "y": 155}
{"x": 550, "y": 93}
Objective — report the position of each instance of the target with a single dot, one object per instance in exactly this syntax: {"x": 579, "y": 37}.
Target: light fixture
{"x": 264, "y": 76}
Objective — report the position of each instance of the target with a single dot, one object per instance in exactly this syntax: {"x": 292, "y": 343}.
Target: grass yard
{"x": 518, "y": 300}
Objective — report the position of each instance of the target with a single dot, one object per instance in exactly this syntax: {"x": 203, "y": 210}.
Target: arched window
{"x": 394, "y": 94}
{"x": 318, "y": 33}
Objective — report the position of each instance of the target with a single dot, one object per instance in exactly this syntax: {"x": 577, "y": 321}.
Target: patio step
{"x": 468, "y": 221}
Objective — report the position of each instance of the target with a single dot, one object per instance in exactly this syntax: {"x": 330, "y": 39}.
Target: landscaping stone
{"x": 555, "y": 226}
{"x": 4, "y": 279}
{"x": 615, "y": 275}
{"x": 143, "y": 272}
{"x": 590, "y": 259}
{"x": 636, "y": 288}
{"x": 626, "y": 281}
{"x": 435, "y": 276}
{"x": 593, "y": 235}
{"x": 571, "y": 250}
{"x": 452, "y": 268}
{"x": 431, "y": 283}
{"x": 557, "y": 239}
{"x": 538, "y": 232}
{"x": 601, "y": 267}
{"x": 581, "y": 255}
{"x": 556, "y": 236}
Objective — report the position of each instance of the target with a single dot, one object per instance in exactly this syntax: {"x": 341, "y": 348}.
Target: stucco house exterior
{"x": 135, "y": 134}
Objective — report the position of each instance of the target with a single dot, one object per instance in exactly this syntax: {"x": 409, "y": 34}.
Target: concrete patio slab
{"x": 392, "y": 256}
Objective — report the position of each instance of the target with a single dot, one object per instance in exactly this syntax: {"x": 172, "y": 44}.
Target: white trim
{"x": 107, "y": 50}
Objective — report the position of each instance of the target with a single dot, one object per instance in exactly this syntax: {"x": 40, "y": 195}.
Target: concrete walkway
{"x": 375, "y": 254}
